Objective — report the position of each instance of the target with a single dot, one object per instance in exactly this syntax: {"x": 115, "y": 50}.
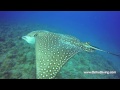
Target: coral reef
{"x": 81, "y": 62}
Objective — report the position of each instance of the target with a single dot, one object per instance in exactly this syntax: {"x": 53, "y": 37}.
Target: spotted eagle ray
{"x": 53, "y": 50}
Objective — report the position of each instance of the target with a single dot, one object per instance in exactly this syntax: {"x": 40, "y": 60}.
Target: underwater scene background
{"x": 99, "y": 28}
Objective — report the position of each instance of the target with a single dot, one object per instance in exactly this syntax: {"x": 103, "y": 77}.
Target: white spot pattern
{"x": 52, "y": 51}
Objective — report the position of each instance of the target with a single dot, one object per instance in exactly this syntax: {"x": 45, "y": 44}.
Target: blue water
{"x": 100, "y": 28}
